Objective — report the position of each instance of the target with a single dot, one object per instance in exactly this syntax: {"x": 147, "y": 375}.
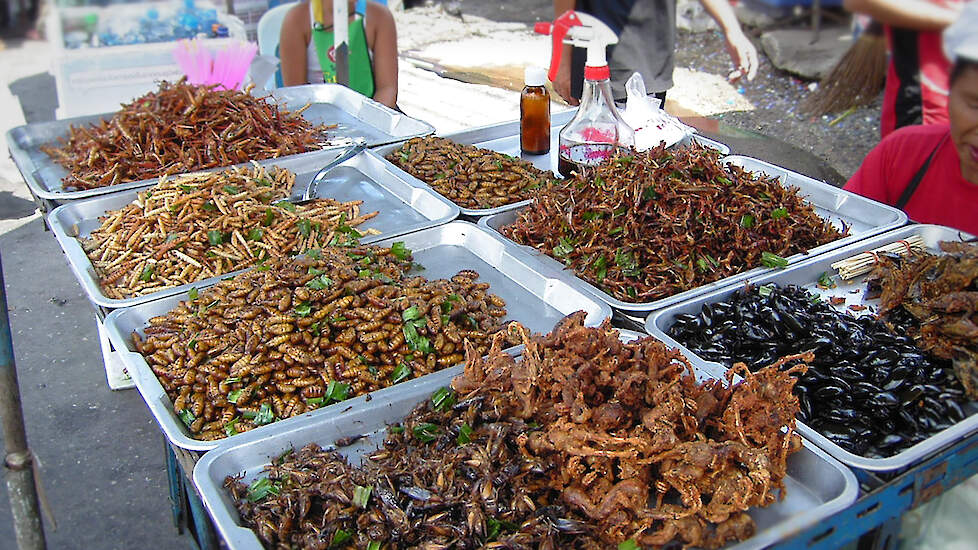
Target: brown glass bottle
{"x": 535, "y": 114}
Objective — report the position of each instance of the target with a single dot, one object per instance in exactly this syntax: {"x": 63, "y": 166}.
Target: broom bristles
{"x": 856, "y": 79}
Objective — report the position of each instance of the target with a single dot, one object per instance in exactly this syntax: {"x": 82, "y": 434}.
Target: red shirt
{"x": 916, "y": 80}
{"x": 943, "y": 197}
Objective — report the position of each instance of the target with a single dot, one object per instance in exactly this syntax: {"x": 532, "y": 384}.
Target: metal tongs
{"x": 354, "y": 147}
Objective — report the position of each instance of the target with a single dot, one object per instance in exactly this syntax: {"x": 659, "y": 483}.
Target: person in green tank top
{"x": 306, "y": 49}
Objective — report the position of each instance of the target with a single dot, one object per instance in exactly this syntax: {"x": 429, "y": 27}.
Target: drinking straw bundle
{"x": 227, "y": 70}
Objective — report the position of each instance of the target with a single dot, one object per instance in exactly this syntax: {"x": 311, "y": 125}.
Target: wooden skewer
{"x": 863, "y": 262}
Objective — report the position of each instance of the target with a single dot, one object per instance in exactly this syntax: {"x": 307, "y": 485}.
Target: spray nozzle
{"x": 583, "y": 31}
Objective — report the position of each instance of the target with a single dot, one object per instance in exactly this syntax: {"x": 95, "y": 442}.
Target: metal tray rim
{"x": 479, "y": 134}
{"x": 900, "y": 218}
{"x": 151, "y": 390}
{"x": 904, "y": 458}
{"x": 238, "y": 536}
{"x": 27, "y": 168}
{"x": 80, "y": 263}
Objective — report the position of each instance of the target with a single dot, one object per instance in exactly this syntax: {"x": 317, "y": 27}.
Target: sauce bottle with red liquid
{"x": 597, "y": 130}
{"x": 535, "y": 113}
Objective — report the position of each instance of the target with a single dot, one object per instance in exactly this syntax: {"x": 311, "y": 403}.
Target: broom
{"x": 856, "y": 79}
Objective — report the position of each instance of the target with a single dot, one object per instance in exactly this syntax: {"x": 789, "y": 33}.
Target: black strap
{"x": 917, "y": 178}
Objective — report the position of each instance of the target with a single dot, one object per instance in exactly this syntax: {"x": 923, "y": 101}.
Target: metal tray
{"x": 504, "y": 138}
{"x": 404, "y": 206}
{"x": 817, "y": 485}
{"x": 532, "y": 298}
{"x": 356, "y": 115}
{"x": 863, "y": 217}
{"x": 805, "y": 274}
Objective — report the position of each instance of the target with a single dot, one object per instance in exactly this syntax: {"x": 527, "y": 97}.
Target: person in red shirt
{"x": 931, "y": 172}
{"x": 917, "y": 74}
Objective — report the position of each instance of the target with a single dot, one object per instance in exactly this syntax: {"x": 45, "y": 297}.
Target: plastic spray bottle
{"x": 597, "y": 130}
{"x": 535, "y": 113}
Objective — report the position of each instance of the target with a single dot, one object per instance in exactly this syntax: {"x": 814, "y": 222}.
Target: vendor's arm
{"x": 921, "y": 15}
{"x": 383, "y": 42}
{"x": 562, "y": 82}
{"x": 292, "y": 44}
{"x": 741, "y": 49}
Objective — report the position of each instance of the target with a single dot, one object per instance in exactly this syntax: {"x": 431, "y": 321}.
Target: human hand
{"x": 744, "y": 56}
{"x": 562, "y": 84}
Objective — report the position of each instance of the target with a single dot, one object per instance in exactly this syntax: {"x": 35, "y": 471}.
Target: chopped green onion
{"x": 303, "y": 309}
{"x": 373, "y": 545}
{"x": 187, "y": 188}
{"x": 629, "y": 544}
{"x": 443, "y": 399}
{"x": 187, "y": 416}
{"x": 320, "y": 282}
{"x": 401, "y": 373}
{"x": 361, "y": 495}
{"x": 564, "y": 248}
{"x": 779, "y": 213}
{"x": 286, "y": 205}
{"x": 400, "y": 251}
{"x": 231, "y": 189}
{"x": 193, "y": 294}
{"x": 464, "y": 434}
{"x": 825, "y": 280}
{"x": 411, "y": 313}
{"x": 340, "y": 537}
{"x": 265, "y": 415}
{"x": 773, "y": 261}
{"x": 261, "y": 488}
{"x": 209, "y": 206}
{"x": 337, "y": 391}
{"x": 305, "y": 227}
{"x": 147, "y": 274}
{"x": 235, "y": 395}
{"x": 616, "y": 230}
{"x": 396, "y": 429}
{"x": 588, "y": 216}
{"x": 230, "y": 429}
{"x": 215, "y": 237}
{"x": 765, "y": 290}
{"x": 315, "y": 401}
{"x": 255, "y": 234}
{"x": 747, "y": 221}
{"x": 232, "y": 380}
{"x": 314, "y": 253}
{"x": 426, "y": 432}
{"x": 723, "y": 180}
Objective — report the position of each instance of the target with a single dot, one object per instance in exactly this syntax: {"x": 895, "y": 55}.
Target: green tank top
{"x": 361, "y": 71}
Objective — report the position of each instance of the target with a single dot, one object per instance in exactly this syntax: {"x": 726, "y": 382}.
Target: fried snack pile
{"x": 941, "y": 295}
{"x": 181, "y": 128}
{"x": 205, "y": 225}
{"x": 295, "y": 335}
{"x": 585, "y": 442}
{"x": 469, "y": 176}
{"x": 651, "y": 225}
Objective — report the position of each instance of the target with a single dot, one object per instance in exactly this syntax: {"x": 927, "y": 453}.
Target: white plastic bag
{"x": 652, "y": 125}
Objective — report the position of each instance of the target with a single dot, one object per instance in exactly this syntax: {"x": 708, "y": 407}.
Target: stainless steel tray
{"x": 863, "y": 217}
{"x": 532, "y": 298}
{"x": 404, "y": 206}
{"x": 355, "y": 115}
{"x": 817, "y": 486}
{"x": 805, "y": 275}
{"x": 504, "y": 138}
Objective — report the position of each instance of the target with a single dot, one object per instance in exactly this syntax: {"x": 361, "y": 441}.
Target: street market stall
{"x": 254, "y": 324}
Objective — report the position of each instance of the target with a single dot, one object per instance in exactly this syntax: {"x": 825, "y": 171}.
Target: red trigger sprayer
{"x": 597, "y": 129}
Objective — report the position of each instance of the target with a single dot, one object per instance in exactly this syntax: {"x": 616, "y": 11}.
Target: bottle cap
{"x": 535, "y": 76}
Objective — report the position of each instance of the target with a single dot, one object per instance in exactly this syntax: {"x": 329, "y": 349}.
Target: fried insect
{"x": 585, "y": 442}
{"x": 650, "y": 225}
{"x": 187, "y": 229}
{"x": 181, "y": 128}
{"x": 934, "y": 298}
{"x": 307, "y": 332}
{"x": 469, "y": 176}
